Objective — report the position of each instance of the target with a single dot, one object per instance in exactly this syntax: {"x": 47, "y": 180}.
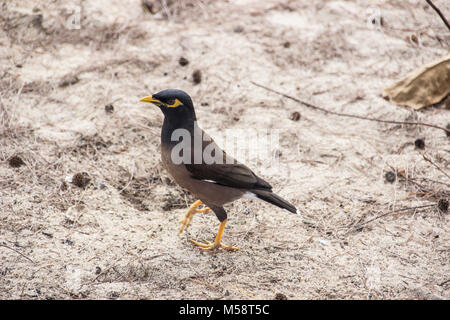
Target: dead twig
{"x": 439, "y": 13}
{"x": 16, "y": 251}
{"x": 205, "y": 284}
{"x": 248, "y": 294}
{"x": 430, "y": 180}
{"x": 121, "y": 276}
{"x": 394, "y": 211}
{"x": 435, "y": 165}
{"x": 309, "y": 105}
{"x": 444, "y": 283}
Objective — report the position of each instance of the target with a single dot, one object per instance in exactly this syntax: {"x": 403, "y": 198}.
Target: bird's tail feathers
{"x": 275, "y": 200}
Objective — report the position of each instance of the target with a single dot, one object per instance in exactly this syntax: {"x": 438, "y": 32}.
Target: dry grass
{"x": 116, "y": 237}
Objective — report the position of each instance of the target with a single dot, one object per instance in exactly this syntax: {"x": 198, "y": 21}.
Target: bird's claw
{"x": 189, "y": 216}
{"x": 208, "y": 246}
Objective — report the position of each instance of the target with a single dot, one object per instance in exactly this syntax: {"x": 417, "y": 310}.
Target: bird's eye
{"x": 170, "y": 102}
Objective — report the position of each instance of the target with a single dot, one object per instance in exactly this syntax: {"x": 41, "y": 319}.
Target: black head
{"x": 175, "y": 104}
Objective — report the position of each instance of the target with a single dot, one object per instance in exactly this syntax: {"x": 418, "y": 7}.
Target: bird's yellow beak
{"x": 150, "y": 99}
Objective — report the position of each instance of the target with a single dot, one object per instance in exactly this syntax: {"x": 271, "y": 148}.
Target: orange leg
{"x": 217, "y": 242}
{"x": 190, "y": 214}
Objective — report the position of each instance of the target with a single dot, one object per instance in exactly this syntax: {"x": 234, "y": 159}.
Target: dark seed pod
{"x": 443, "y": 205}
{"x": 81, "y": 179}
{"x": 420, "y": 144}
{"x": 183, "y": 61}
{"x": 109, "y": 108}
{"x": 280, "y": 296}
{"x": 197, "y": 76}
{"x": 16, "y": 161}
{"x": 238, "y": 29}
{"x": 295, "y": 116}
{"x": 390, "y": 176}
{"x": 68, "y": 80}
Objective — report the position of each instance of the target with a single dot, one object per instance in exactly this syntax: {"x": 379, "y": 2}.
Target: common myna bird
{"x": 214, "y": 181}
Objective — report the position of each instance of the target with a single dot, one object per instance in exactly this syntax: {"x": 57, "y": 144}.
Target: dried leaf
{"x": 423, "y": 87}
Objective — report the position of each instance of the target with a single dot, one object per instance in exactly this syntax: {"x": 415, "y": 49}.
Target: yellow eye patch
{"x": 175, "y": 104}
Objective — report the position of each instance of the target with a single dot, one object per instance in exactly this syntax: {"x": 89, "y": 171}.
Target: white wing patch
{"x": 212, "y": 181}
{"x": 250, "y": 195}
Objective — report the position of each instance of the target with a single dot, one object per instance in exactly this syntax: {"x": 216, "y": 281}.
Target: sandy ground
{"x": 117, "y": 237}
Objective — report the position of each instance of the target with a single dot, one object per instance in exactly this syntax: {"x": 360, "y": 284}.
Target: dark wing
{"x": 228, "y": 173}
{"x": 234, "y": 175}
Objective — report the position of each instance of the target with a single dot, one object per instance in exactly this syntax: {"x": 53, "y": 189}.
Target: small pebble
{"x": 68, "y": 241}
{"x": 277, "y": 154}
{"x": 148, "y": 6}
{"x": 98, "y": 270}
{"x": 37, "y": 20}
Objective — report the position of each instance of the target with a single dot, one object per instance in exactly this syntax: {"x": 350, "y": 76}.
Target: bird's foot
{"x": 208, "y": 246}
{"x": 190, "y": 215}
